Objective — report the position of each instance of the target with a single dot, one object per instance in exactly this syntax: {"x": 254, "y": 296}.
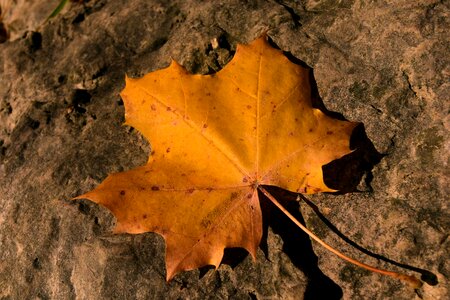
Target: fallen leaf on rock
{"x": 216, "y": 140}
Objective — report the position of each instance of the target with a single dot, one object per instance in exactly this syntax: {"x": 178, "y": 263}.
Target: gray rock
{"x": 384, "y": 64}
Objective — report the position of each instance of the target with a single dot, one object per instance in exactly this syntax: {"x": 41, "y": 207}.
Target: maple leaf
{"x": 216, "y": 140}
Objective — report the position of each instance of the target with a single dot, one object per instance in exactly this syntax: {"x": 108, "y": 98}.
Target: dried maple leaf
{"x": 217, "y": 139}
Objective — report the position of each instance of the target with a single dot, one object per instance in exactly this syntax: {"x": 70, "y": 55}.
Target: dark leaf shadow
{"x": 346, "y": 173}
{"x": 296, "y": 244}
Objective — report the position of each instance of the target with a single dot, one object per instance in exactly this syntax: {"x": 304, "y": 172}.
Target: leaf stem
{"x": 411, "y": 280}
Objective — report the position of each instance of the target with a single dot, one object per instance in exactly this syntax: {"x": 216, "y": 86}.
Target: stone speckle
{"x": 61, "y": 134}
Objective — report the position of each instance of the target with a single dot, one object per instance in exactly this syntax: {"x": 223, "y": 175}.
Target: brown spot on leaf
{"x": 233, "y": 195}
{"x": 144, "y": 216}
{"x": 205, "y": 125}
{"x": 205, "y": 223}
{"x": 190, "y": 191}
{"x": 168, "y": 150}
{"x": 329, "y": 132}
{"x": 155, "y": 188}
{"x": 153, "y": 107}
{"x": 122, "y": 193}
{"x": 168, "y": 108}
{"x": 249, "y": 106}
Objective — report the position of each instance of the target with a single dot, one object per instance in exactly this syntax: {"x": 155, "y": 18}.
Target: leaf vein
{"x": 293, "y": 154}
{"x": 285, "y": 100}
{"x": 213, "y": 226}
{"x": 199, "y": 131}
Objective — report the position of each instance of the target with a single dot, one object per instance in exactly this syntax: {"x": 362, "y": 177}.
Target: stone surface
{"x": 384, "y": 63}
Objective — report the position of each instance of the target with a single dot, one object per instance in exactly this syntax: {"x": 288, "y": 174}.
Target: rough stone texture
{"x": 21, "y": 16}
{"x": 384, "y": 63}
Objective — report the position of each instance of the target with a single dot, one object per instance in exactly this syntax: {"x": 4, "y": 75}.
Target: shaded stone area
{"x": 384, "y": 64}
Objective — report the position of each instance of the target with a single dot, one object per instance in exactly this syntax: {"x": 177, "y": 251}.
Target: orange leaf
{"x": 216, "y": 138}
